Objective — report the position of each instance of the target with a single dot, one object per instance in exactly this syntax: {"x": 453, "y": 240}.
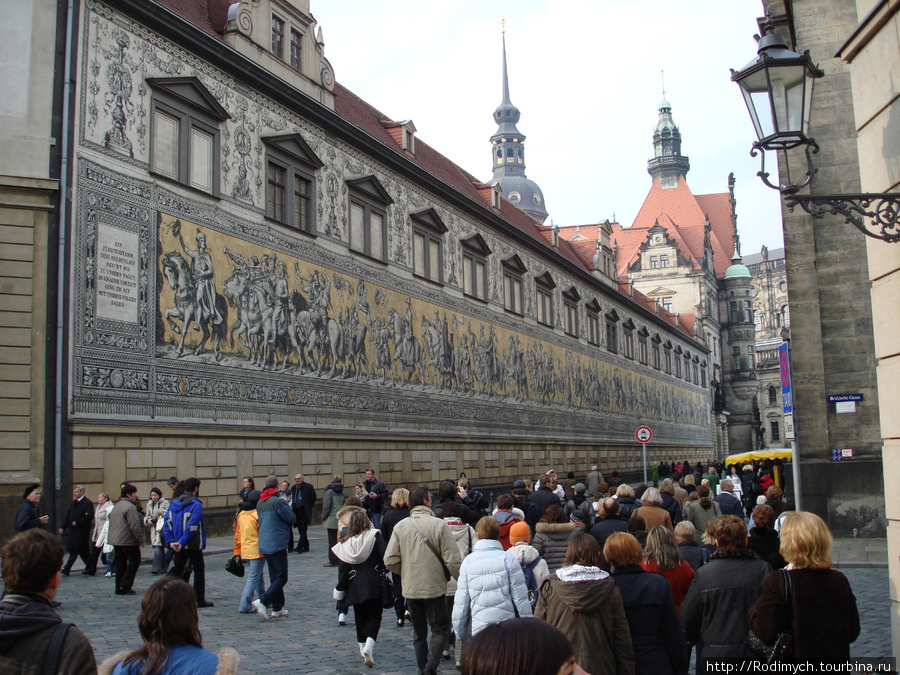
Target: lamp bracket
{"x": 876, "y": 215}
{"x": 789, "y": 188}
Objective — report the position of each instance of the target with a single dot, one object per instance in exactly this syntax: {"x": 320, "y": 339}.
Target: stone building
{"x": 683, "y": 252}
{"x": 833, "y": 348}
{"x": 264, "y": 274}
{"x": 772, "y": 318}
{"x": 854, "y": 119}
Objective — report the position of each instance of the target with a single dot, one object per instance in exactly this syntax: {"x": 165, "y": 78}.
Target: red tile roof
{"x": 359, "y": 113}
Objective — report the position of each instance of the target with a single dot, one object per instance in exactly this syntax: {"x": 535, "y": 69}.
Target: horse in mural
{"x": 408, "y": 348}
{"x": 247, "y": 328}
{"x": 187, "y": 307}
{"x": 440, "y": 362}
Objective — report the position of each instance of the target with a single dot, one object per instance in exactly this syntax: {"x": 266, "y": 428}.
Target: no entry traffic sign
{"x": 643, "y": 434}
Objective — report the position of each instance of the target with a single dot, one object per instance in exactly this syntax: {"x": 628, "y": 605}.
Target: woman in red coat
{"x": 824, "y": 616}
{"x": 661, "y": 556}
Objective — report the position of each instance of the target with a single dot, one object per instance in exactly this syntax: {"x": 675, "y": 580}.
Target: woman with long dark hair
{"x": 361, "y": 563}
{"x": 169, "y": 626}
{"x": 520, "y": 647}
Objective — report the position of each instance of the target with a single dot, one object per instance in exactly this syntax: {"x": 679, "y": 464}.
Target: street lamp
{"x": 777, "y": 88}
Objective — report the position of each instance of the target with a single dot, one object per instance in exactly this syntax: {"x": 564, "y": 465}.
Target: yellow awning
{"x": 744, "y": 457}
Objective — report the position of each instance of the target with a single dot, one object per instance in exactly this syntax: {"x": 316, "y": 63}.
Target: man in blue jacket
{"x": 275, "y": 520}
{"x": 186, "y": 534}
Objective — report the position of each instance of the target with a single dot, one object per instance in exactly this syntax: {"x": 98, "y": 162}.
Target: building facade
{"x": 267, "y": 275}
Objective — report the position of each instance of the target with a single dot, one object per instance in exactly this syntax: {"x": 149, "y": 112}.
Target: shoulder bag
{"x": 783, "y": 647}
{"x": 437, "y": 553}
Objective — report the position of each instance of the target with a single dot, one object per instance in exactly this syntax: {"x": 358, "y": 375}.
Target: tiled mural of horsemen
{"x": 273, "y": 312}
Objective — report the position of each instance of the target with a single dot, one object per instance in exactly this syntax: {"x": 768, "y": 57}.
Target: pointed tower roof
{"x": 508, "y": 155}
{"x": 668, "y": 163}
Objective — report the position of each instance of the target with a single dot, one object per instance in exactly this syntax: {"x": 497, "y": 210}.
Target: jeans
{"x": 160, "y": 565}
{"x": 196, "y": 558}
{"x": 128, "y": 559}
{"x": 424, "y": 613}
{"x": 376, "y": 519}
{"x": 278, "y": 576}
{"x": 254, "y": 583}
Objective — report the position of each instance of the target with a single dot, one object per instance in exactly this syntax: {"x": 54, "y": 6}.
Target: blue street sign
{"x": 839, "y": 398}
{"x": 784, "y": 360}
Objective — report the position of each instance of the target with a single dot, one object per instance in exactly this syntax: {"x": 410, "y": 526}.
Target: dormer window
{"x": 663, "y": 261}
{"x": 654, "y": 262}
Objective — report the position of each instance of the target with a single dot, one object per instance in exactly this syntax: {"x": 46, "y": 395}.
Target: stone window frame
{"x": 296, "y": 49}
{"x": 543, "y": 299}
{"x": 514, "y": 280}
{"x": 654, "y": 262}
{"x": 477, "y": 253}
{"x": 643, "y": 352}
{"x": 194, "y": 108}
{"x": 678, "y": 352}
{"x": 655, "y": 348}
{"x": 667, "y": 357}
{"x": 703, "y": 380}
{"x": 663, "y": 261}
{"x": 571, "y": 299}
{"x": 774, "y": 430}
{"x": 294, "y": 156}
{"x": 611, "y": 321}
{"x": 428, "y": 227}
{"x": 278, "y": 27}
{"x": 592, "y": 312}
{"x": 628, "y": 339}
{"x": 772, "y": 395}
{"x": 370, "y": 197}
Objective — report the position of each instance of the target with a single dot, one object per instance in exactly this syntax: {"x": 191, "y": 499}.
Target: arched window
{"x": 786, "y": 316}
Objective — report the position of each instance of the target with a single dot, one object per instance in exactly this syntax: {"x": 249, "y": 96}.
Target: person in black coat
{"x": 398, "y": 511}
{"x": 763, "y": 537}
{"x": 724, "y": 589}
{"x": 79, "y": 522}
{"x": 303, "y": 496}
{"x": 543, "y": 496}
{"x": 531, "y": 510}
{"x": 688, "y": 548}
{"x": 28, "y": 515}
{"x": 655, "y": 629}
{"x": 361, "y": 556}
{"x": 608, "y": 523}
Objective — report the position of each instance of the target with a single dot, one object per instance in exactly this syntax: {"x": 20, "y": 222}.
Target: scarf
{"x": 268, "y": 492}
{"x": 740, "y": 554}
{"x": 580, "y": 573}
{"x": 356, "y": 549}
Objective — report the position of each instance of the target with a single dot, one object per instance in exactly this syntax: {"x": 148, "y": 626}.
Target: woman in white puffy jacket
{"x": 491, "y": 585}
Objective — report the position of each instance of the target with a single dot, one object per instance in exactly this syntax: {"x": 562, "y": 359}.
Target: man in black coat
{"x": 303, "y": 496}
{"x": 544, "y": 495}
{"x": 609, "y": 522}
{"x": 376, "y": 498}
{"x": 79, "y": 521}
{"x": 728, "y": 503}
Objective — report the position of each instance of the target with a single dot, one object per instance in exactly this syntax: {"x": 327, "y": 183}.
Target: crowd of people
{"x": 554, "y": 577}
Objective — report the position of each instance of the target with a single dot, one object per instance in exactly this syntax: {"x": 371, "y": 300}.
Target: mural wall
{"x": 197, "y": 311}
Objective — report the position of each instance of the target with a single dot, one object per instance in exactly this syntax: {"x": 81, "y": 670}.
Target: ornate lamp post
{"x": 777, "y": 88}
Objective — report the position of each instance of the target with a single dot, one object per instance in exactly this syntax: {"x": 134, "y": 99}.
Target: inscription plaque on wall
{"x": 117, "y": 274}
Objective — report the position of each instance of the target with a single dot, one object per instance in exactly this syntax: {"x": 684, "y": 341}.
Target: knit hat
{"x": 519, "y": 532}
{"x": 576, "y": 516}
{"x": 31, "y": 488}
{"x": 518, "y": 485}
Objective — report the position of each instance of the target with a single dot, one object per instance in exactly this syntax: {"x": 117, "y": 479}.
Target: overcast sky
{"x": 585, "y": 75}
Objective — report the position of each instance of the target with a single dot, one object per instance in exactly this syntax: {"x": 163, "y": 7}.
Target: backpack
{"x": 531, "y": 581}
{"x": 504, "y": 531}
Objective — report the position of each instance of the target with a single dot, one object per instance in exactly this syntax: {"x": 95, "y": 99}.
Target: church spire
{"x": 668, "y": 164}
{"x": 508, "y": 154}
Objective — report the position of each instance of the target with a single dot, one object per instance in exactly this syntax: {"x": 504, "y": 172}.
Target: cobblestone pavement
{"x": 309, "y": 640}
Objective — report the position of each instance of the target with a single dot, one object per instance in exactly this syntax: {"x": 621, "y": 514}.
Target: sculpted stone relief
{"x": 180, "y": 300}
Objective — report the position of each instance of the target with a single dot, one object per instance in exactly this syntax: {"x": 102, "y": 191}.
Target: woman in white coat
{"x": 491, "y": 585}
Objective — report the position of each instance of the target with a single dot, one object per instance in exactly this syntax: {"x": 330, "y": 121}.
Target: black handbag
{"x": 387, "y": 589}
{"x": 783, "y": 647}
{"x": 235, "y": 566}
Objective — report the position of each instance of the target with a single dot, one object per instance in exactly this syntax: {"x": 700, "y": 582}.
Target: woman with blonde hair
{"x": 361, "y": 556}
{"x": 661, "y": 556}
{"x": 628, "y": 504}
{"x": 398, "y": 510}
{"x": 491, "y": 584}
{"x": 823, "y": 612}
{"x": 170, "y": 628}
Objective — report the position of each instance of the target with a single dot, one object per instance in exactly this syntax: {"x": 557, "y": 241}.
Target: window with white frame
{"x": 428, "y": 245}
{"x": 184, "y": 133}
{"x": 667, "y": 304}
{"x": 475, "y": 254}
{"x": 368, "y": 204}
{"x": 663, "y": 260}
{"x": 543, "y": 289}
{"x": 290, "y": 181}
{"x": 654, "y": 262}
